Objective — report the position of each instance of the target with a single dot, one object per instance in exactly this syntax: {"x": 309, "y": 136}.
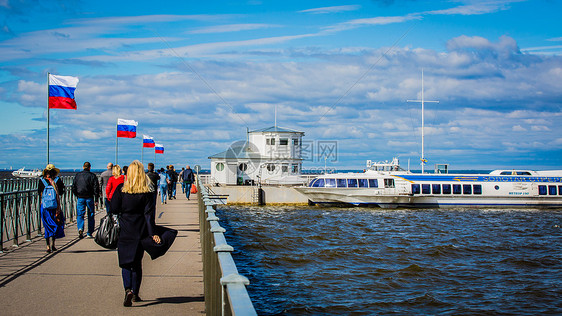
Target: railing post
{"x": 16, "y": 219}
{"x": 28, "y": 216}
{"x": 2, "y": 223}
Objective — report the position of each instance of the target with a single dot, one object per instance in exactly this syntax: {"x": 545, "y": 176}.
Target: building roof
{"x": 276, "y": 129}
{"x": 236, "y": 153}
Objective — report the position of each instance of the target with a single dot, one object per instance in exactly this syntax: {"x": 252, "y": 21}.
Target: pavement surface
{"x": 82, "y": 278}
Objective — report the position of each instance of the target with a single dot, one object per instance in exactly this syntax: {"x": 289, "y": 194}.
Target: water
{"x": 363, "y": 261}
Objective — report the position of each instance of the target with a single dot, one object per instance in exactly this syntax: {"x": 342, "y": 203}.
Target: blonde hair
{"x": 136, "y": 180}
{"x": 116, "y": 172}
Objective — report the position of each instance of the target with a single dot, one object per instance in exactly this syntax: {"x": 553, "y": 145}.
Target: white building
{"x": 271, "y": 155}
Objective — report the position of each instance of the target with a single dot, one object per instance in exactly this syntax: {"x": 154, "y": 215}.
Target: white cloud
{"x": 334, "y": 9}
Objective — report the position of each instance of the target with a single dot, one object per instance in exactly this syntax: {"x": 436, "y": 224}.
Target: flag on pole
{"x": 159, "y": 149}
{"x": 61, "y": 92}
{"x": 148, "y": 141}
{"x": 127, "y": 128}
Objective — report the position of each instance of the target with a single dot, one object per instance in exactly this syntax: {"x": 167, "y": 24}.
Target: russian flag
{"x": 148, "y": 141}
{"x": 159, "y": 148}
{"x": 127, "y": 128}
{"x": 61, "y": 92}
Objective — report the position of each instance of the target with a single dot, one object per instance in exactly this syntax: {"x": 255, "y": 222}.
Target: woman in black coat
{"x": 134, "y": 202}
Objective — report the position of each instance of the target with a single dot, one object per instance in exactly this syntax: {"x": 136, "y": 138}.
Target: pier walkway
{"x": 82, "y": 278}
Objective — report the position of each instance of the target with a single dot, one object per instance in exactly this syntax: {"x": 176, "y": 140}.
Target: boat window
{"x": 270, "y": 167}
{"x": 477, "y": 189}
{"x": 389, "y": 183}
{"x": 542, "y": 189}
{"x": 318, "y": 183}
{"x": 363, "y": 183}
{"x": 457, "y": 189}
{"x": 466, "y": 189}
{"x": 523, "y": 173}
{"x": 560, "y": 190}
{"x": 351, "y": 183}
{"x": 415, "y": 188}
{"x": 426, "y": 189}
{"x": 446, "y": 189}
{"x": 551, "y": 190}
{"x": 243, "y": 167}
{"x": 373, "y": 183}
{"x": 436, "y": 188}
{"x": 330, "y": 183}
{"x": 342, "y": 183}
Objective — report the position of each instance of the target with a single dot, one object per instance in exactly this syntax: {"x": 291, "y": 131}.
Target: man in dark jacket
{"x": 87, "y": 190}
{"x": 154, "y": 177}
{"x": 173, "y": 181}
{"x": 188, "y": 178}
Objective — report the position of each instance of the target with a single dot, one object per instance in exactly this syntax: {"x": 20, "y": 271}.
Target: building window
{"x": 270, "y": 167}
{"x": 270, "y": 141}
{"x": 284, "y": 168}
{"x": 295, "y": 168}
{"x": 219, "y": 166}
{"x": 295, "y": 141}
{"x": 243, "y": 167}
{"x": 283, "y": 141}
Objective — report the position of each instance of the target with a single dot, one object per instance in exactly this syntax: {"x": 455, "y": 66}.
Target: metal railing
{"x": 225, "y": 289}
{"x": 20, "y": 214}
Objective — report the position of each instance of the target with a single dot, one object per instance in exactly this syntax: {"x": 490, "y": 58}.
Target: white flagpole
{"x": 48, "y": 117}
{"x": 116, "y": 145}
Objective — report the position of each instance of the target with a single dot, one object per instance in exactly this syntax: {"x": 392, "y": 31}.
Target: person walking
{"x": 86, "y": 189}
{"x": 133, "y": 200}
{"x": 188, "y": 178}
{"x": 173, "y": 175}
{"x": 103, "y": 183}
{"x": 153, "y": 176}
{"x": 51, "y": 188}
{"x": 163, "y": 185}
{"x": 114, "y": 182}
{"x": 180, "y": 177}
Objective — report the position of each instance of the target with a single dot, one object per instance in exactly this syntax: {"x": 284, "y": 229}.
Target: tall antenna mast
{"x": 422, "y": 158}
{"x": 275, "y": 115}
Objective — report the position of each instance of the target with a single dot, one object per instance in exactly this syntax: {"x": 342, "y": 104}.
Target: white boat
{"x": 22, "y": 173}
{"x": 388, "y": 186}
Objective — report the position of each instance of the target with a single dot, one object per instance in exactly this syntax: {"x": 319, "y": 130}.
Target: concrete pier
{"x": 82, "y": 278}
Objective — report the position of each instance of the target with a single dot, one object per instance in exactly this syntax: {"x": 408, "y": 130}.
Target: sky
{"x": 197, "y": 75}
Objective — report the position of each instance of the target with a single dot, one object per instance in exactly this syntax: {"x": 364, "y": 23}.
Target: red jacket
{"x": 112, "y": 185}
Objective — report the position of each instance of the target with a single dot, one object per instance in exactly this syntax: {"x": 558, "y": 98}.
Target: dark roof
{"x": 276, "y": 129}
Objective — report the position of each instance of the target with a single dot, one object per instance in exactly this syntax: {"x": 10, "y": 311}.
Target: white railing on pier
{"x": 225, "y": 288}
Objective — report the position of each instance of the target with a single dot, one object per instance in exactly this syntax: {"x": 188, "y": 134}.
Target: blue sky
{"x": 195, "y": 75}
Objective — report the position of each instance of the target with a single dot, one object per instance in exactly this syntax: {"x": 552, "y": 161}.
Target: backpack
{"x": 49, "y": 197}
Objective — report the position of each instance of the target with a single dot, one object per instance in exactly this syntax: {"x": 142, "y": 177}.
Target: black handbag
{"x": 108, "y": 232}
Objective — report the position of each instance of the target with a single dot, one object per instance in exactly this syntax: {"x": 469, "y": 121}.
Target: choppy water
{"x": 313, "y": 261}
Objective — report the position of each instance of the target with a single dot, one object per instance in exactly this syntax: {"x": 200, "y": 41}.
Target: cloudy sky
{"x": 197, "y": 74}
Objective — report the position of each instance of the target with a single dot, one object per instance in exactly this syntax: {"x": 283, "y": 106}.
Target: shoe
{"x": 80, "y": 234}
{"x": 165, "y": 202}
{"x": 54, "y": 249}
{"x": 48, "y": 250}
{"x": 136, "y": 298}
{"x": 89, "y": 236}
{"x": 128, "y": 301}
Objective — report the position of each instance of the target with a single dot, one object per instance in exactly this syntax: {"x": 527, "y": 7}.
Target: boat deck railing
{"x": 225, "y": 288}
